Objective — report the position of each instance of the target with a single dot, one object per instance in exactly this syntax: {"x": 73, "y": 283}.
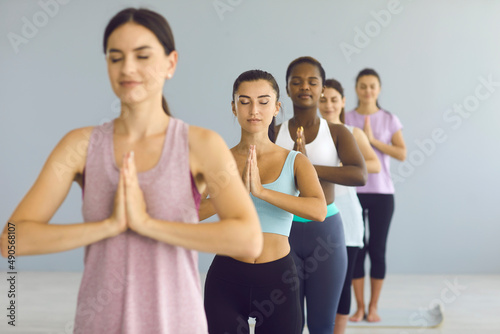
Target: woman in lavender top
{"x": 383, "y": 130}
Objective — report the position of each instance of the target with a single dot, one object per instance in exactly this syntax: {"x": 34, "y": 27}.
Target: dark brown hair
{"x": 332, "y": 83}
{"x": 369, "y": 71}
{"x": 254, "y": 75}
{"x": 153, "y": 21}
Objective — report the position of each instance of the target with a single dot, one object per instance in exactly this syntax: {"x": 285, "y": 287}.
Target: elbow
{"x": 374, "y": 167}
{"x": 362, "y": 178}
{"x": 253, "y": 246}
{"x": 3, "y": 245}
{"x": 402, "y": 155}
{"x": 320, "y": 217}
{"x": 253, "y": 242}
{"x": 320, "y": 214}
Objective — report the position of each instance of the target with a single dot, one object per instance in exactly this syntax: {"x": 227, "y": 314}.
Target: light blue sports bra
{"x": 273, "y": 219}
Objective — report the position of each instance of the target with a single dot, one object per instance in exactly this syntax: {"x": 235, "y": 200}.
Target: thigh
{"x": 379, "y": 217}
{"x": 226, "y": 304}
{"x": 297, "y": 239}
{"x": 277, "y": 307}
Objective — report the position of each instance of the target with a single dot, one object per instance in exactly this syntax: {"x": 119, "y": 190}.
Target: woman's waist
{"x": 275, "y": 247}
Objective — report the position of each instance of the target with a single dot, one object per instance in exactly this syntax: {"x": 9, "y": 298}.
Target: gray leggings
{"x": 319, "y": 252}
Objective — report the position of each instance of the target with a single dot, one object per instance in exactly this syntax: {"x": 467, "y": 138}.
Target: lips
{"x": 253, "y": 120}
{"x": 129, "y": 83}
{"x": 304, "y": 96}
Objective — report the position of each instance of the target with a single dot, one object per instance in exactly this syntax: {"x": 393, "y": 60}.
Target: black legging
{"x": 235, "y": 291}
{"x": 378, "y": 208}
{"x": 345, "y": 297}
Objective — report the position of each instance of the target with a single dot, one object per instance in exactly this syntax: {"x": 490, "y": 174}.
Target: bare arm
{"x": 371, "y": 159}
{"x": 353, "y": 169}
{"x": 397, "y": 149}
{"x": 238, "y": 231}
{"x": 30, "y": 220}
{"x": 311, "y": 203}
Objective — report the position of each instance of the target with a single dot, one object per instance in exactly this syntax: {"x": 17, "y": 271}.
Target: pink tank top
{"x": 134, "y": 284}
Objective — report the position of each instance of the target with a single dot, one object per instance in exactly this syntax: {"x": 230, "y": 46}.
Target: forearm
{"x": 231, "y": 237}
{"x": 313, "y": 208}
{"x": 32, "y": 238}
{"x": 395, "y": 152}
{"x": 354, "y": 176}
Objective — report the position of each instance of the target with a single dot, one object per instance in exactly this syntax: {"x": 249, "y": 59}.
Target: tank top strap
{"x": 290, "y": 162}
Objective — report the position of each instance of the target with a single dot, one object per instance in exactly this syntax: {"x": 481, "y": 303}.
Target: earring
{"x": 322, "y": 95}
{"x": 169, "y": 75}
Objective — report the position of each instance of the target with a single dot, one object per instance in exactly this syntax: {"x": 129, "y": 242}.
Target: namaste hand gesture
{"x": 251, "y": 177}
{"x": 300, "y": 143}
{"x": 129, "y": 209}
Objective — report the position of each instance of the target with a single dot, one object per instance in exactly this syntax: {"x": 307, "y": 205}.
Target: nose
{"x": 254, "y": 109}
{"x": 304, "y": 85}
{"x": 128, "y": 65}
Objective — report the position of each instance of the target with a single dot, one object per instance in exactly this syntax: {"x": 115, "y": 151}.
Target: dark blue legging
{"x": 378, "y": 208}
{"x": 319, "y": 252}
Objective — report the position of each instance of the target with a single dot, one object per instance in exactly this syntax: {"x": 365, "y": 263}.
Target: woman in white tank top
{"x": 331, "y": 108}
{"x": 319, "y": 246}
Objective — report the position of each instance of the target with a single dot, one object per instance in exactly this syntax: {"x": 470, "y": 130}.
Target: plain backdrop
{"x": 438, "y": 60}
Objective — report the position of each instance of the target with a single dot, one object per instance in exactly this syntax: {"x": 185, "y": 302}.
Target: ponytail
{"x": 270, "y": 131}
{"x": 165, "y": 106}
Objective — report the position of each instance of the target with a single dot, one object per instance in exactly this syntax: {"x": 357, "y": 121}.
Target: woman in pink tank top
{"x": 141, "y": 176}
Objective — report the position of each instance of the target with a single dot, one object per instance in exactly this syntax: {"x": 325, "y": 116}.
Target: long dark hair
{"x": 153, "y": 21}
{"x": 365, "y": 72}
{"x": 332, "y": 83}
{"x": 254, "y": 75}
{"x": 309, "y": 60}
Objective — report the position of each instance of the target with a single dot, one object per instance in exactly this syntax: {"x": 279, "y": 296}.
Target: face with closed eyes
{"x": 255, "y": 105}
{"x": 305, "y": 85}
{"x": 331, "y": 104}
{"x": 368, "y": 89}
{"x": 137, "y": 63}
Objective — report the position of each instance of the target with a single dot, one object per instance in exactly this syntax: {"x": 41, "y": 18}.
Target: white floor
{"x": 46, "y": 303}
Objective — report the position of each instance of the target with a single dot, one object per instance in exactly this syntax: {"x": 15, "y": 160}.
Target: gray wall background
{"x": 433, "y": 56}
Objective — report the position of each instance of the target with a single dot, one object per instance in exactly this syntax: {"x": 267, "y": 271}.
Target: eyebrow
{"x": 248, "y": 97}
{"x": 136, "y": 49}
{"x": 296, "y": 77}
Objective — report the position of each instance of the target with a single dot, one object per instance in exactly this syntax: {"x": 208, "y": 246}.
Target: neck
{"x": 260, "y": 140}
{"x": 141, "y": 119}
{"x": 305, "y": 117}
{"x": 367, "y": 108}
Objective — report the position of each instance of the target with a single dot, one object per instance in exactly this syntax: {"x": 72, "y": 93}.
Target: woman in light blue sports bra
{"x": 267, "y": 287}
{"x": 318, "y": 246}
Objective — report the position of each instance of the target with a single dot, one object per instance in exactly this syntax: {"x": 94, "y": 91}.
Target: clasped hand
{"x": 251, "y": 176}
{"x": 129, "y": 209}
{"x": 300, "y": 143}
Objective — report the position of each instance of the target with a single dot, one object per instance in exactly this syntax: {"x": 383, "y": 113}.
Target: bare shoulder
{"x": 338, "y": 128}
{"x": 72, "y": 148}
{"x": 79, "y": 135}
{"x": 207, "y": 149}
{"x": 358, "y": 133}
{"x": 338, "y": 131}
{"x": 201, "y": 139}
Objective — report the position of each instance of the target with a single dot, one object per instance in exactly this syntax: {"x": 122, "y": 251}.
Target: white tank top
{"x": 321, "y": 151}
{"x": 351, "y": 212}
